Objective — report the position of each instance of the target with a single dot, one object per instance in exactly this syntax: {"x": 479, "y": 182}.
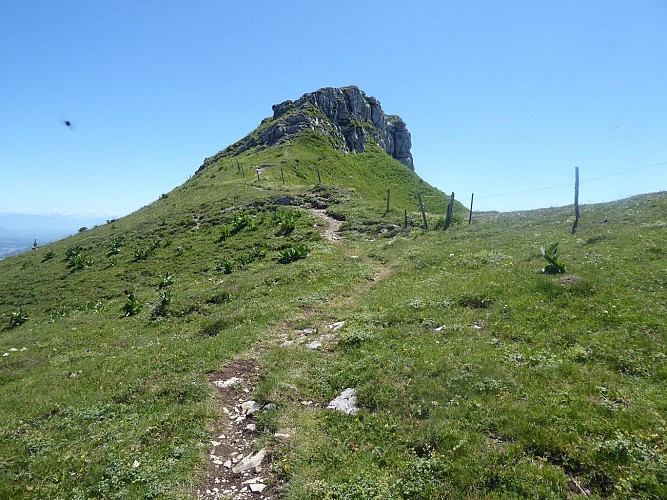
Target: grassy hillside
{"x": 476, "y": 373}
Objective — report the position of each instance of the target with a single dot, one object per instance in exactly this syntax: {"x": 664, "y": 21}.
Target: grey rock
{"x": 226, "y": 383}
{"x": 257, "y": 487}
{"x": 347, "y": 115}
{"x": 346, "y": 402}
{"x": 250, "y": 407}
{"x": 314, "y": 345}
{"x": 250, "y": 462}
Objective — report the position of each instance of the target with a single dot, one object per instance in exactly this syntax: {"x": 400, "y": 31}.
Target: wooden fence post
{"x": 421, "y": 207}
{"x": 388, "y": 194}
{"x": 450, "y": 210}
{"x": 319, "y": 179}
{"x": 257, "y": 175}
{"x": 406, "y": 219}
{"x": 282, "y": 175}
{"x": 470, "y": 216}
{"x": 576, "y": 200}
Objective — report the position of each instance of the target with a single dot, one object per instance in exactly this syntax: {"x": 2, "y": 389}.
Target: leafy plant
{"x": 240, "y": 221}
{"x": 114, "y": 249}
{"x": 160, "y": 310}
{"x": 132, "y": 306}
{"x": 72, "y": 252}
{"x": 244, "y": 260}
{"x": 225, "y": 266}
{"x": 94, "y": 307}
{"x": 58, "y": 313}
{"x": 17, "y": 318}
{"x": 48, "y": 256}
{"x": 167, "y": 280}
{"x": 286, "y": 220}
{"x": 141, "y": 254}
{"x": 225, "y": 232}
{"x": 78, "y": 262}
{"x": 75, "y": 260}
{"x": 551, "y": 255}
{"x": 295, "y": 253}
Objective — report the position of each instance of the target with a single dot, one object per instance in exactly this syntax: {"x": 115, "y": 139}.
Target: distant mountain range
{"x": 18, "y": 232}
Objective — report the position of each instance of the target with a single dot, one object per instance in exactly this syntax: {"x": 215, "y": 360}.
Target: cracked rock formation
{"x": 347, "y": 115}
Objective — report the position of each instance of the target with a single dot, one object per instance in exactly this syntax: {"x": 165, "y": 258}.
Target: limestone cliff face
{"x": 346, "y": 114}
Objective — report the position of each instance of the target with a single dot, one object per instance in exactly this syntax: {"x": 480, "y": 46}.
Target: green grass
{"x": 477, "y": 374}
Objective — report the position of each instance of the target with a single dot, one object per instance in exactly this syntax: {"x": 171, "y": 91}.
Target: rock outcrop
{"x": 347, "y": 115}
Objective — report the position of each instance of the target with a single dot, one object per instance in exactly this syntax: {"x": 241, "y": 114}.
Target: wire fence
{"x": 569, "y": 184}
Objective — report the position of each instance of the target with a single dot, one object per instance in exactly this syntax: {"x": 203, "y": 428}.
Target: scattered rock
{"x": 250, "y": 462}
{"x": 249, "y": 407}
{"x": 346, "y": 402}
{"x": 256, "y": 487}
{"x": 336, "y": 326}
{"x": 314, "y": 345}
{"x": 223, "y": 384}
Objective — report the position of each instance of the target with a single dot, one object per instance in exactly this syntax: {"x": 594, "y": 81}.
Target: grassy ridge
{"x": 477, "y": 374}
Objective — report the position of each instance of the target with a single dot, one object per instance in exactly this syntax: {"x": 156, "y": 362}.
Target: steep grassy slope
{"x": 476, "y": 374}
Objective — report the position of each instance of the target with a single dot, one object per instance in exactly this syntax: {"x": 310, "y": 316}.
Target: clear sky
{"x": 500, "y": 97}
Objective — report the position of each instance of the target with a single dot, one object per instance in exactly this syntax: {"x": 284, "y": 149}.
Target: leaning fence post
{"x": 576, "y": 200}
{"x": 470, "y": 216}
{"x": 421, "y": 207}
{"x": 319, "y": 179}
{"x": 450, "y": 211}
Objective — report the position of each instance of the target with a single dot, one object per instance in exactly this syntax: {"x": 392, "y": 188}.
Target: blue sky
{"x": 500, "y": 97}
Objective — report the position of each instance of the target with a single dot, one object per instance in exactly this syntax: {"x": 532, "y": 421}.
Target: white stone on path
{"x": 257, "y": 487}
{"x": 223, "y": 384}
{"x": 250, "y": 462}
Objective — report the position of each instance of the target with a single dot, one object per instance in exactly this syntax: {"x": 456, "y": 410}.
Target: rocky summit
{"x": 346, "y": 115}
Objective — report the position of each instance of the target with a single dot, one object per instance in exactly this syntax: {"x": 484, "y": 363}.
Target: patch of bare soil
{"x": 331, "y": 225}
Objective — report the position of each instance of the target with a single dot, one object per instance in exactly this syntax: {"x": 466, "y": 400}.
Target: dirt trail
{"x": 331, "y": 225}
{"x": 233, "y": 434}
